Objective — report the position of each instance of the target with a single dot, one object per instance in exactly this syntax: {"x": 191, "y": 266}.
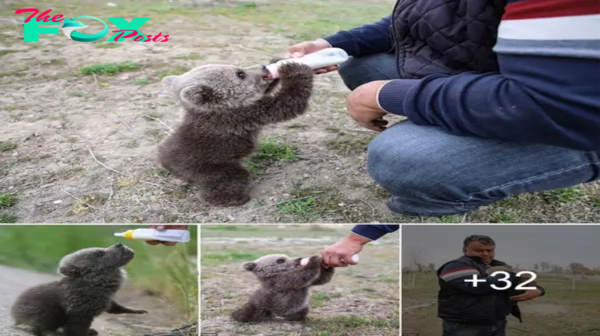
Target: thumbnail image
{"x": 79, "y": 280}
{"x": 501, "y": 280}
{"x": 312, "y": 280}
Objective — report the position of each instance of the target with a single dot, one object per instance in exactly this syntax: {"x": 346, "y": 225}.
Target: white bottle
{"x": 316, "y": 60}
{"x": 304, "y": 261}
{"x": 175, "y": 236}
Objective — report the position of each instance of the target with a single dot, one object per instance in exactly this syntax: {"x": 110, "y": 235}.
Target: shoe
{"x": 188, "y": 330}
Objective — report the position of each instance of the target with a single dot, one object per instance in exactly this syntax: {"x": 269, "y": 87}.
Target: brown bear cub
{"x": 91, "y": 278}
{"x": 225, "y": 108}
{"x": 284, "y": 288}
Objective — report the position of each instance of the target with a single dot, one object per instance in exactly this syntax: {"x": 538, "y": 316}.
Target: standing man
{"x": 470, "y": 308}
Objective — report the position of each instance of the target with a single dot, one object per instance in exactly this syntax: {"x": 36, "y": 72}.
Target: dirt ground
{"x": 78, "y": 148}
{"x": 160, "y": 316}
{"x": 561, "y": 313}
{"x": 360, "y": 300}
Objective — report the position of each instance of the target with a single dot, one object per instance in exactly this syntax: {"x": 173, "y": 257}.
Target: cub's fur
{"x": 284, "y": 288}
{"x": 225, "y": 108}
{"x": 91, "y": 278}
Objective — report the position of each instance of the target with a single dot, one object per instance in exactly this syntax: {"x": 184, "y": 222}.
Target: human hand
{"x": 528, "y": 295}
{"x": 305, "y": 48}
{"x": 165, "y": 227}
{"x": 363, "y": 107}
{"x": 340, "y": 254}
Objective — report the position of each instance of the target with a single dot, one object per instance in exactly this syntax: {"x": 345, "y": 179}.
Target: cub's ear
{"x": 249, "y": 266}
{"x": 69, "y": 270}
{"x": 200, "y": 94}
{"x": 168, "y": 81}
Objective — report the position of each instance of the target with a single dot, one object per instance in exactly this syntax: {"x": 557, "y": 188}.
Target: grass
{"x": 305, "y": 19}
{"x": 7, "y": 200}
{"x": 270, "y": 151}
{"x": 348, "y": 145}
{"x": 7, "y": 218}
{"x": 7, "y": 146}
{"x": 581, "y": 303}
{"x": 143, "y": 81}
{"x": 110, "y": 68}
{"x": 167, "y": 271}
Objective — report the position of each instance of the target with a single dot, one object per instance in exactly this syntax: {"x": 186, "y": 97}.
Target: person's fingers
{"x": 153, "y": 242}
{"x": 159, "y": 228}
{"x": 169, "y": 243}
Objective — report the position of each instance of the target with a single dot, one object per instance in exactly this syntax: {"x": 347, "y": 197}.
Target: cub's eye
{"x": 241, "y": 74}
{"x": 99, "y": 254}
{"x": 280, "y": 261}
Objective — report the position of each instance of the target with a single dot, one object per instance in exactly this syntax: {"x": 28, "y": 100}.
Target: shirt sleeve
{"x": 369, "y": 39}
{"x": 374, "y": 232}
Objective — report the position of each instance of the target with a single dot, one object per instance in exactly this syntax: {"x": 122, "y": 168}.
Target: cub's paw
{"x": 315, "y": 261}
{"x": 139, "y": 311}
{"x": 295, "y": 69}
{"x": 92, "y": 332}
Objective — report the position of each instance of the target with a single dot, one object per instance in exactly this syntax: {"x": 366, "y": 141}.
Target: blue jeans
{"x": 431, "y": 172}
{"x": 462, "y": 329}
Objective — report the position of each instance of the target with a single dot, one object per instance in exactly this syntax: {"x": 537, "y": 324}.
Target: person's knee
{"x": 405, "y": 169}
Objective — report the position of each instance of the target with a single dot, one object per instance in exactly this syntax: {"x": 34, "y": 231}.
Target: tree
{"x": 536, "y": 267}
{"x": 545, "y": 266}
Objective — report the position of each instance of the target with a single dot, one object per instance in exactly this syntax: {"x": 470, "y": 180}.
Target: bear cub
{"x": 91, "y": 278}
{"x": 284, "y": 288}
{"x": 225, "y": 108}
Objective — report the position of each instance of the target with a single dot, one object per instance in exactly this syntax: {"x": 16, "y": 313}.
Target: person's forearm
{"x": 547, "y": 90}
{"x": 535, "y": 104}
{"x": 365, "y": 40}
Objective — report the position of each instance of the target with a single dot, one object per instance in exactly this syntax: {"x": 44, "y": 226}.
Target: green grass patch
{"x": 6, "y": 52}
{"x": 79, "y": 94}
{"x": 7, "y": 218}
{"x": 310, "y": 204}
{"x": 564, "y": 195}
{"x": 7, "y": 146}
{"x": 167, "y": 271}
{"x": 347, "y": 145}
{"x": 110, "y": 68}
{"x": 143, "y": 81}
{"x": 7, "y": 200}
{"x": 271, "y": 151}
{"x": 189, "y": 57}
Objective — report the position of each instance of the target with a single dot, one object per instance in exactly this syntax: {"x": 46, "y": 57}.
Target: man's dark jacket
{"x": 455, "y": 305}
{"x": 431, "y": 36}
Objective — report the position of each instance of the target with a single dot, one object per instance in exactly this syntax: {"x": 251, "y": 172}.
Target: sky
{"x": 524, "y": 245}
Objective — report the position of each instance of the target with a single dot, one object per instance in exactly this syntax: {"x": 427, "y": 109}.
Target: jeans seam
{"x": 528, "y": 180}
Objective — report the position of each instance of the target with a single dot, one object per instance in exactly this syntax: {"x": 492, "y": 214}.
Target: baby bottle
{"x": 316, "y": 60}
{"x": 176, "y": 236}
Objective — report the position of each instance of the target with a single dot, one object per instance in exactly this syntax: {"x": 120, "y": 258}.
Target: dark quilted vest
{"x": 457, "y": 306}
{"x": 445, "y": 36}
